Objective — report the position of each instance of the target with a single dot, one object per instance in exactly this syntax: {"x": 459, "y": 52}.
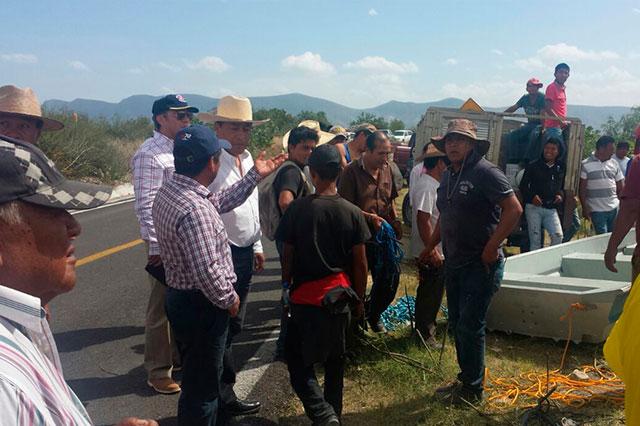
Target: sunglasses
{"x": 181, "y": 115}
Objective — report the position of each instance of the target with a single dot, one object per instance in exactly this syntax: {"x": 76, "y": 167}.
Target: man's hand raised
{"x": 265, "y": 167}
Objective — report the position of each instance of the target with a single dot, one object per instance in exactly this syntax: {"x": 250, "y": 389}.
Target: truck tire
{"x": 406, "y": 210}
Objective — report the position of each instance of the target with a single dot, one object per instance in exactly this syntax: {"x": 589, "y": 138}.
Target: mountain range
{"x": 409, "y": 112}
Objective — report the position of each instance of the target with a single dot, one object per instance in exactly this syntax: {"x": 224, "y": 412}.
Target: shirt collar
{"x": 21, "y": 308}
{"x": 161, "y": 137}
{"x": 187, "y": 182}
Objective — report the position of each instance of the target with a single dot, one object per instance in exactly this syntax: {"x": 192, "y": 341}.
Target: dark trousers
{"x": 469, "y": 292}
{"x": 385, "y": 282}
{"x": 243, "y": 267}
{"x": 200, "y": 329}
{"x": 284, "y": 313}
{"x": 304, "y": 324}
{"x": 428, "y": 299}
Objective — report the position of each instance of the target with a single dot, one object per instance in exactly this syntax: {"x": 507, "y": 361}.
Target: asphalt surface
{"x": 99, "y": 329}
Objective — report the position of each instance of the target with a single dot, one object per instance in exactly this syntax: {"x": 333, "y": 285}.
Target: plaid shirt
{"x": 149, "y": 165}
{"x": 193, "y": 242}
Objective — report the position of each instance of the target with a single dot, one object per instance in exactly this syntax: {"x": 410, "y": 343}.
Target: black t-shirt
{"x": 470, "y": 214}
{"x": 323, "y": 230}
{"x": 289, "y": 178}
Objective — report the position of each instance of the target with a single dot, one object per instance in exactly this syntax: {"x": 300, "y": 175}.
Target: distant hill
{"x": 409, "y": 112}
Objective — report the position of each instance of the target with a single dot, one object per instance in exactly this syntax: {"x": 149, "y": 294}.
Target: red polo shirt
{"x": 556, "y": 95}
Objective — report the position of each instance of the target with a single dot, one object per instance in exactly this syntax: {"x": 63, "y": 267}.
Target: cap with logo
{"x": 172, "y": 103}
{"x": 27, "y": 174}
{"x": 193, "y": 146}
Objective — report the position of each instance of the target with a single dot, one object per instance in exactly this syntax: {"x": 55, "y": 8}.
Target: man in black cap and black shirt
{"x": 170, "y": 114}
{"x": 324, "y": 264}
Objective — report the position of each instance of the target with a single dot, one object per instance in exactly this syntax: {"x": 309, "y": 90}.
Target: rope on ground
{"x": 586, "y": 384}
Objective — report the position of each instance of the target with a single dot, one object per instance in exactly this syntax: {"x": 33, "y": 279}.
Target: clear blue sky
{"x": 359, "y": 53}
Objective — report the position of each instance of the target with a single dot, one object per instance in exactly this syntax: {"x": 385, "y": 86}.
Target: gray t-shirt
{"x": 469, "y": 211}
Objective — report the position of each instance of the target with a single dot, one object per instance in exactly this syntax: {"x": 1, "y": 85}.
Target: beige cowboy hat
{"x": 324, "y": 137}
{"x": 462, "y": 126}
{"x": 235, "y": 109}
{"x": 430, "y": 152}
{"x": 24, "y": 103}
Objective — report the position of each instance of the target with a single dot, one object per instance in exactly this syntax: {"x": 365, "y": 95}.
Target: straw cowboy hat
{"x": 464, "y": 127}
{"x": 24, "y": 103}
{"x": 324, "y": 137}
{"x": 232, "y": 109}
{"x": 430, "y": 152}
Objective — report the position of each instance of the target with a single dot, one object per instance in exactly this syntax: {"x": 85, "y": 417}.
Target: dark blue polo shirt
{"x": 469, "y": 210}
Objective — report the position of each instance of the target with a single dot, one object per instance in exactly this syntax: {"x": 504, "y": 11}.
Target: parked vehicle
{"x": 495, "y": 127}
{"x": 401, "y": 154}
{"x": 403, "y": 136}
{"x": 389, "y": 134}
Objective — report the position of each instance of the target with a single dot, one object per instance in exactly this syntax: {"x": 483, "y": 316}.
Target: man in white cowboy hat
{"x": 149, "y": 164}
{"x": 233, "y": 121}
{"x": 423, "y": 187}
{"x": 21, "y": 115}
{"x": 478, "y": 210}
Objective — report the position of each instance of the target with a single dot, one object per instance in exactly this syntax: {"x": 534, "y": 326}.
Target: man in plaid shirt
{"x": 197, "y": 258}
{"x": 170, "y": 114}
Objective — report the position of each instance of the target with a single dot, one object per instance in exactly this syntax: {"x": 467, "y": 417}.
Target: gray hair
{"x": 11, "y": 213}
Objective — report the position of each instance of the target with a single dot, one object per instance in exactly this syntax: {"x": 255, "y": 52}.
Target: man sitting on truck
{"x": 520, "y": 140}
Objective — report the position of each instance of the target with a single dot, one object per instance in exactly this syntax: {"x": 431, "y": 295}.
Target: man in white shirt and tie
{"x": 233, "y": 121}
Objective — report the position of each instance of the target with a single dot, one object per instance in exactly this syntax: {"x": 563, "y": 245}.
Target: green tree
{"x": 367, "y": 117}
{"x": 262, "y": 137}
{"x": 622, "y": 128}
{"x": 591, "y": 135}
{"x": 318, "y": 116}
{"x": 396, "y": 124}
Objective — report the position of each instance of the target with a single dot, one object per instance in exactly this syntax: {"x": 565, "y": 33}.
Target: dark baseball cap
{"x": 172, "y": 103}
{"x": 27, "y": 174}
{"x": 325, "y": 157}
{"x": 193, "y": 146}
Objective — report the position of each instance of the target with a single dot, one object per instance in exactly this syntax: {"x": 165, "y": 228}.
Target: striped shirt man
{"x": 601, "y": 177}
{"x": 193, "y": 241}
{"x": 33, "y": 391}
{"x": 149, "y": 165}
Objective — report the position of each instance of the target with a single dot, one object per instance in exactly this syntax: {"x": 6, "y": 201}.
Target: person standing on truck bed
{"x": 520, "y": 141}
{"x": 478, "y": 210}
{"x": 555, "y": 99}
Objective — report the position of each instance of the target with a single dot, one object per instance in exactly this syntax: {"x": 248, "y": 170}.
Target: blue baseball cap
{"x": 194, "y": 146}
{"x": 172, "y": 103}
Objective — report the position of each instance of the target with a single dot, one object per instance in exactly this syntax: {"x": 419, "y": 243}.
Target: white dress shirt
{"x": 242, "y": 223}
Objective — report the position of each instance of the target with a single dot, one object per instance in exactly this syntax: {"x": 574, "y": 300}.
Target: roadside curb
{"x": 121, "y": 193}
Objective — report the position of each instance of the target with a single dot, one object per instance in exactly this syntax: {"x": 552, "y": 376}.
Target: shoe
{"x": 332, "y": 420}
{"x": 165, "y": 385}
{"x": 457, "y": 394}
{"x": 377, "y": 326}
{"x": 240, "y": 407}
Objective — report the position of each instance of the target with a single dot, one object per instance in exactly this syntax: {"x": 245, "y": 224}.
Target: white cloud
{"x": 135, "y": 70}
{"x": 373, "y": 12}
{"x": 636, "y": 10}
{"x": 451, "y": 61}
{"x": 551, "y": 54}
{"x": 78, "y": 65}
{"x": 380, "y": 64}
{"x": 19, "y": 58}
{"x": 168, "y": 67}
{"x": 497, "y": 52}
{"x": 308, "y": 62}
{"x": 209, "y": 63}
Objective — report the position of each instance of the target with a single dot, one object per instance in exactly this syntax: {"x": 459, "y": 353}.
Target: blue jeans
{"x": 603, "y": 221}
{"x": 200, "y": 329}
{"x": 243, "y": 268}
{"x": 539, "y": 218}
{"x": 573, "y": 228}
{"x": 469, "y": 291}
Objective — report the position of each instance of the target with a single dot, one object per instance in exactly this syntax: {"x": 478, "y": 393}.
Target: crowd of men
{"x": 204, "y": 203}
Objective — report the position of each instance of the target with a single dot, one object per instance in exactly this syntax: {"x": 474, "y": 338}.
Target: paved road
{"x": 99, "y": 327}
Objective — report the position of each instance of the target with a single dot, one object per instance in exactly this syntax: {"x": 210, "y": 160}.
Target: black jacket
{"x": 544, "y": 181}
